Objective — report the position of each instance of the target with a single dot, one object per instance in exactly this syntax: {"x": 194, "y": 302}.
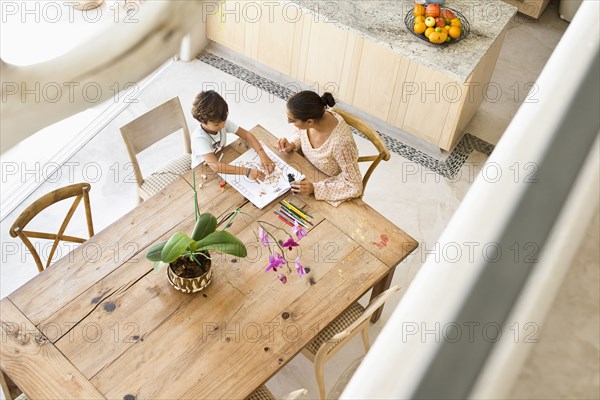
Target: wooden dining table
{"x": 101, "y": 323}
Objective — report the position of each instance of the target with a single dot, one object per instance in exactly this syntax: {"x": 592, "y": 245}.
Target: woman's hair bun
{"x": 327, "y": 99}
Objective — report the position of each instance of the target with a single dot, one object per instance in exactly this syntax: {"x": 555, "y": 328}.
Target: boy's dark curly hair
{"x": 210, "y": 106}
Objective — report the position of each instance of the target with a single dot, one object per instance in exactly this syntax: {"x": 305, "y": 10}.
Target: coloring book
{"x": 274, "y": 185}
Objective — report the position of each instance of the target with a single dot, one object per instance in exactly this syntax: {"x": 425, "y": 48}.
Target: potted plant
{"x": 188, "y": 257}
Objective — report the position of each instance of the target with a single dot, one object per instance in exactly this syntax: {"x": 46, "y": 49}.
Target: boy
{"x": 211, "y": 110}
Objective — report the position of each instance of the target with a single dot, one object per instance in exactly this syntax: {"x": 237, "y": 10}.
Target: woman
{"x": 326, "y": 141}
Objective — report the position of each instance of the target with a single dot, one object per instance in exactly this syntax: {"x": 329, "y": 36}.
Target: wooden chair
{"x": 330, "y": 340}
{"x": 373, "y": 136}
{"x": 262, "y": 393}
{"x": 340, "y": 385}
{"x": 148, "y": 129}
{"x": 11, "y": 391}
{"x": 78, "y": 191}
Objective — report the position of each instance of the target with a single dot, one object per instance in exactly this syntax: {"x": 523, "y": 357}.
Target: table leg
{"x": 11, "y": 391}
{"x": 380, "y": 287}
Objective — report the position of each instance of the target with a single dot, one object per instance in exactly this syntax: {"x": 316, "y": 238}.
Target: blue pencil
{"x": 286, "y": 219}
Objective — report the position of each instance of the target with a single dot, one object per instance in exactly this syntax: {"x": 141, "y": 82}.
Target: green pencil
{"x": 300, "y": 209}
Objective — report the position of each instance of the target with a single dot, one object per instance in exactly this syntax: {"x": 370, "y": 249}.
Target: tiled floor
{"x": 414, "y": 197}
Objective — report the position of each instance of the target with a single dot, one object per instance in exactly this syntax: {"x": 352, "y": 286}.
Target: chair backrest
{"x": 296, "y": 394}
{"x": 373, "y": 136}
{"x": 152, "y": 126}
{"x": 342, "y": 337}
{"x": 78, "y": 191}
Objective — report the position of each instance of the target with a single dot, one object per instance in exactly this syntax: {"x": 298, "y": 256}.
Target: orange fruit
{"x": 443, "y": 35}
{"x": 447, "y": 27}
{"x": 420, "y": 27}
{"x": 419, "y": 10}
{"x": 438, "y": 37}
{"x": 455, "y": 22}
{"x": 435, "y": 37}
{"x": 419, "y": 18}
{"x": 454, "y": 32}
{"x": 428, "y": 32}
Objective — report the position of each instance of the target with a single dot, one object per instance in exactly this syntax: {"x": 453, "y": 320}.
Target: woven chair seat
{"x": 169, "y": 173}
{"x": 262, "y": 393}
{"x": 339, "y": 324}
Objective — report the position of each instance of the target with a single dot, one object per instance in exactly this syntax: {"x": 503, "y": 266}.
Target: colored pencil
{"x": 296, "y": 215}
{"x": 288, "y": 219}
{"x": 289, "y": 209}
{"x": 296, "y": 210}
{"x": 299, "y": 208}
{"x": 294, "y": 218}
{"x": 285, "y": 220}
{"x": 285, "y": 217}
{"x": 290, "y": 206}
{"x": 282, "y": 218}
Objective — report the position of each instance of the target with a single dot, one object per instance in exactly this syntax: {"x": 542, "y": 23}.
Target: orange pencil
{"x": 283, "y": 218}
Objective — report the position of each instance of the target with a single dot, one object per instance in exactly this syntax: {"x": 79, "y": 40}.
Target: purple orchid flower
{"x": 282, "y": 278}
{"x": 275, "y": 261}
{"x": 264, "y": 238}
{"x": 299, "y": 231}
{"x": 300, "y": 268}
{"x": 289, "y": 244}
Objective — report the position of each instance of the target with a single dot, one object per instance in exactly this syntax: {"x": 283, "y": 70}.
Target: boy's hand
{"x": 266, "y": 163}
{"x": 256, "y": 175}
{"x": 302, "y": 187}
{"x": 285, "y": 146}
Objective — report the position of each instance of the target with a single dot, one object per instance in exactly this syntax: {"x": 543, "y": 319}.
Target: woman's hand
{"x": 256, "y": 175}
{"x": 285, "y": 146}
{"x": 266, "y": 163}
{"x": 302, "y": 187}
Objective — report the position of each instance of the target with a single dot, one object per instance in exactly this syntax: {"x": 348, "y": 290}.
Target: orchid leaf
{"x": 158, "y": 265}
{"x": 175, "y": 247}
{"x": 155, "y": 250}
{"x": 238, "y": 250}
{"x": 223, "y": 242}
{"x": 206, "y": 224}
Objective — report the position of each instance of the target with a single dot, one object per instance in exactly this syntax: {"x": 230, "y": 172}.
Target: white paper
{"x": 274, "y": 185}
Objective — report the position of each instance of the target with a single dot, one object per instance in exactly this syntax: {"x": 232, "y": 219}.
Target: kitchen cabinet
{"x": 532, "y": 8}
{"x": 225, "y": 25}
{"x": 363, "y": 53}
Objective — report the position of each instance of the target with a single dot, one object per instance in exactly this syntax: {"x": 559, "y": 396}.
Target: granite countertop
{"x": 382, "y": 22}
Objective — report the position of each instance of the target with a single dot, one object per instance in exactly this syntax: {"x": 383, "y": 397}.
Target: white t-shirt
{"x": 205, "y": 143}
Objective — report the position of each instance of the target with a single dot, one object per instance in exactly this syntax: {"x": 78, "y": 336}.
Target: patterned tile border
{"x": 448, "y": 168}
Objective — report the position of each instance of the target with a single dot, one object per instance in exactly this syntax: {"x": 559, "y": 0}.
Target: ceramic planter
{"x": 190, "y": 284}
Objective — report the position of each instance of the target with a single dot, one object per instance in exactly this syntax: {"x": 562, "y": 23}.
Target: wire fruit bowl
{"x": 409, "y": 21}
